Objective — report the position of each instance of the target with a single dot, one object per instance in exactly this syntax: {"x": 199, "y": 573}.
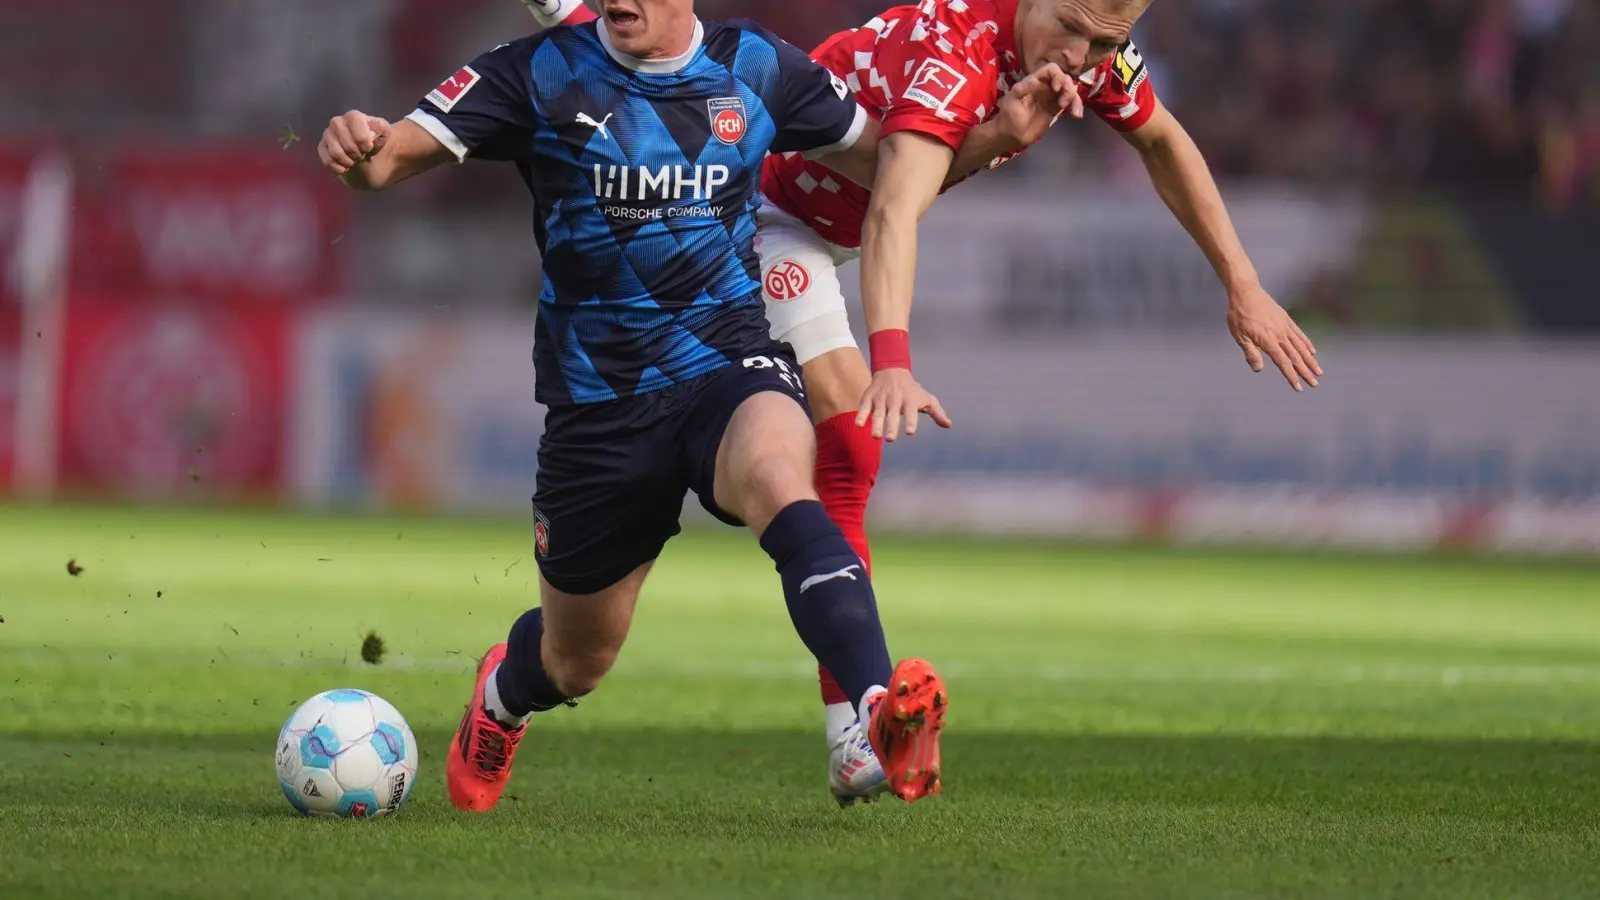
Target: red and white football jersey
{"x": 939, "y": 68}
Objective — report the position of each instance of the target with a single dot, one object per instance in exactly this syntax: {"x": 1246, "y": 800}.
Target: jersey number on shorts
{"x": 785, "y": 371}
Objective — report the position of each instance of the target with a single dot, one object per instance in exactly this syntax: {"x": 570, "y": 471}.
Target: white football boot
{"x": 854, "y": 774}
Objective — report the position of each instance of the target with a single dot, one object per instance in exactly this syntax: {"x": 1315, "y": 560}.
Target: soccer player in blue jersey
{"x": 641, "y": 138}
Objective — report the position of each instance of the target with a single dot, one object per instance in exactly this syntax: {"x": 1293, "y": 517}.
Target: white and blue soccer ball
{"x": 347, "y": 753}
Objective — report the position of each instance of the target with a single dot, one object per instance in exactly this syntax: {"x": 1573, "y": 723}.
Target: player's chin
{"x": 630, "y": 38}
{"x": 623, "y": 21}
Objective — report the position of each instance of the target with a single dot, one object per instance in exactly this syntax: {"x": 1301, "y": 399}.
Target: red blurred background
{"x": 190, "y": 309}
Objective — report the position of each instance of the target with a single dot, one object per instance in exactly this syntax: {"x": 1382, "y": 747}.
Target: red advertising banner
{"x": 169, "y": 402}
{"x": 214, "y": 223}
{"x": 10, "y": 378}
{"x": 13, "y": 181}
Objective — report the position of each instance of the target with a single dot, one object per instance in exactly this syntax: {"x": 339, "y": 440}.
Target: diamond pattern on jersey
{"x": 652, "y": 276}
{"x": 559, "y": 62}
{"x": 757, "y": 75}
{"x": 879, "y": 62}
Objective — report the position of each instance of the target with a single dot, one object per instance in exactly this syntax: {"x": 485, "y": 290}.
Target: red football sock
{"x": 847, "y": 467}
{"x": 831, "y": 692}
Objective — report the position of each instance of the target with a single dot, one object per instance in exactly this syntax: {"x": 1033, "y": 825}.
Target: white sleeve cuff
{"x": 858, "y": 125}
{"x": 550, "y": 13}
{"x": 440, "y": 132}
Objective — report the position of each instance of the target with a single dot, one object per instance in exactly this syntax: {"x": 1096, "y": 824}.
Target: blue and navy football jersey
{"x": 645, "y": 176}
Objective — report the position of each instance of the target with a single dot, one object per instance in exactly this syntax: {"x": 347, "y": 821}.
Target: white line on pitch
{"x": 1051, "y": 672}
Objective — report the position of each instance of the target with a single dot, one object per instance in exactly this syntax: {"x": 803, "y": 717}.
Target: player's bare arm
{"x": 369, "y": 154}
{"x": 1182, "y": 178}
{"x": 859, "y": 161}
{"x": 911, "y": 169}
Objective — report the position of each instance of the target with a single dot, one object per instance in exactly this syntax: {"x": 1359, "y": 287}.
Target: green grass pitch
{"x": 1124, "y": 722}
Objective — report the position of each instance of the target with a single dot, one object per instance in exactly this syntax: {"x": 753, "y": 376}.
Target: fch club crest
{"x": 727, "y": 119}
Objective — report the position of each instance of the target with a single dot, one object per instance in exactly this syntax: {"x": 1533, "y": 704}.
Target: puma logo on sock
{"x": 815, "y": 580}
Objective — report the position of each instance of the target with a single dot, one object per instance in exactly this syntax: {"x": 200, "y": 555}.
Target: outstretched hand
{"x": 895, "y": 397}
{"x": 1261, "y": 327}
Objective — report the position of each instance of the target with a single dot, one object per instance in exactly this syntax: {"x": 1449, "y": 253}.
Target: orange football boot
{"x": 906, "y": 721}
{"x": 480, "y": 753}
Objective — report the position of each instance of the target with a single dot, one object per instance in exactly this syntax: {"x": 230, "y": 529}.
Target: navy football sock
{"x": 830, "y": 597}
{"x": 523, "y": 685}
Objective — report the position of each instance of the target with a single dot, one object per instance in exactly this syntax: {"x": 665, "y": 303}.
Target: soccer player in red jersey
{"x": 934, "y": 74}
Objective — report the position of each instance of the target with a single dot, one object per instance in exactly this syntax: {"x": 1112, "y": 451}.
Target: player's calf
{"x": 763, "y": 475}
{"x": 848, "y": 458}
{"x": 829, "y": 597}
{"x": 555, "y": 653}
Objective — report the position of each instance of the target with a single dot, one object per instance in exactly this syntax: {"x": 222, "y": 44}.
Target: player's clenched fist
{"x": 895, "y": 397}
{"x": 351, "y": 139}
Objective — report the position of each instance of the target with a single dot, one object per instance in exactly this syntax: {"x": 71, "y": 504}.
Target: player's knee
{"x": 765, "y": 461}
{"x": 778, "y": 478}
{"x": 847, "y": 453}
{"x": 771, "y": 482}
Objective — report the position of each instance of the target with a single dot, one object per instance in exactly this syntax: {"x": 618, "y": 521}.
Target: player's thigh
{"x": 750, "y": 445}
{"x": 608, "y": 495}
{"x": 835, "y": 382}
{"x": 765, "y": 460}
{"x": 584, "y": 632}
{"x": 800, "y": 285}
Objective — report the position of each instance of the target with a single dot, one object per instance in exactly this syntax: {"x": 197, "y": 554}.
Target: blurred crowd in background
{"x": 191, "y": 308}
{"x": 1395, "y": 93}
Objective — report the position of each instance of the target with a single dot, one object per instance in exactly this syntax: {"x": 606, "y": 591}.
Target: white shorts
{"x": 800, "y": 283}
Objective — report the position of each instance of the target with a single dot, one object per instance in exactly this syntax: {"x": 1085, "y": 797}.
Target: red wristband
{"x": 891, "y": 349}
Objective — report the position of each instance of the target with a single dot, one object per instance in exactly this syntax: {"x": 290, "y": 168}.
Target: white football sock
{"x": 866, "y": 709}
{"x": 496, "y": 709}
{"x": 841, "y": 718}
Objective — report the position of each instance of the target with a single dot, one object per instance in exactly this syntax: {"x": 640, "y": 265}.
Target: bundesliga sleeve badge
{"x": 727, "y": 119}
{"x": 447, "y": 95}
{"x": 935, "y": 86}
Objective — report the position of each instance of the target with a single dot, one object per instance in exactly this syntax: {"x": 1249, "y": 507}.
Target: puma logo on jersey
{"x": 815, "y": 580}
{"x": 600, "y": 126}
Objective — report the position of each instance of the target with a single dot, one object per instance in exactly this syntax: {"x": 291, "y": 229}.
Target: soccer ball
{"x": 348, "y": 754}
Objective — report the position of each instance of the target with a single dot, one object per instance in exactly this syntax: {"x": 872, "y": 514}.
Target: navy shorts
{"x": 612, "y": 475}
